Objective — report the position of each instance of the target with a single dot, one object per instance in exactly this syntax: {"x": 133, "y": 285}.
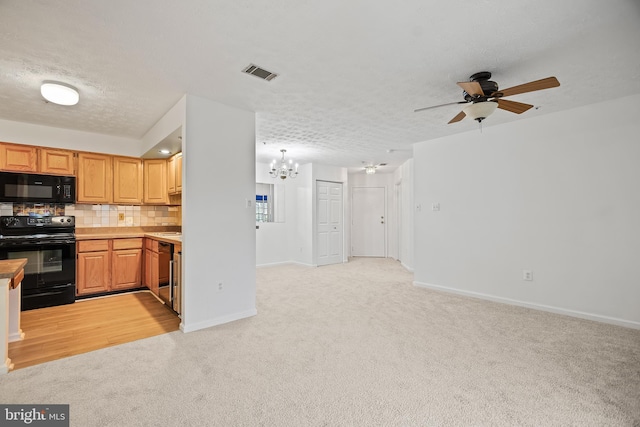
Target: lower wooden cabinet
{"x": 108, "y": 265}
{"x": 92, "y": 273}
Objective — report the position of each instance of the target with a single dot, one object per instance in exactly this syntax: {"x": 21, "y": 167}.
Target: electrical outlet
{"x": 435, "y": 207}
{"x": 219, "y": 286}
{"x": 527, "y": 275}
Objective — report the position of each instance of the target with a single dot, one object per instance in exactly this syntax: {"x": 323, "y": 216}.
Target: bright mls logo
{"x": 34, "y": 415}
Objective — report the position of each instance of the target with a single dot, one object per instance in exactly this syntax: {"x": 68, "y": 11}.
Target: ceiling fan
{"x": 370, "y": 168}
{"x": 483, "y": 96}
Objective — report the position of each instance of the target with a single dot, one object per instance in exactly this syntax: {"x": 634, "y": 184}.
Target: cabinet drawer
{"x": 151, "y": 244}
{"x": 93, "y": 245}
{"x": 135, "y": 243}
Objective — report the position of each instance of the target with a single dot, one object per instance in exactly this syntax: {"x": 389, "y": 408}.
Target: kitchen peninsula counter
{"x": 170, "y": 234}
{"x": 11, "y": 274}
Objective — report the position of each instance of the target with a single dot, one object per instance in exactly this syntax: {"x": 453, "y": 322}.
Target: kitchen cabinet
{"x": 126, "y": 271}
{"x": 127, "y": 180}
{"x": 155, "y": 182}
{"x": 57, "y": 162}
{"x": 18, "y": 158}
{"x": 93, "y": 267}
{"x": 174, "y": 174}
{"x": 151, "y": 263}
{"x": 94, "y": 184}
{"x": 108, "y": 265}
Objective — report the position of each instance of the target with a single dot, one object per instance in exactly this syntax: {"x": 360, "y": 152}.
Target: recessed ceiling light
{"x": 164, "y": 151}
{"x": 59, "y": 93}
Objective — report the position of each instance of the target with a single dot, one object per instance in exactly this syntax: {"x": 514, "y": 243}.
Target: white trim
{"x": 558, "y": 310}
{"x": 218, "y": 321}
{"x": 409, "y": 269}
{"x": 274, "y": 264}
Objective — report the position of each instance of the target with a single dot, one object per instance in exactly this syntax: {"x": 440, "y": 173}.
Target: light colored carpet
{"x": 354, "y": 344}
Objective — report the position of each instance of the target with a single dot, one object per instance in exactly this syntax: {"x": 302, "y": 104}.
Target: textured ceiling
{"x": 350, "y": 73}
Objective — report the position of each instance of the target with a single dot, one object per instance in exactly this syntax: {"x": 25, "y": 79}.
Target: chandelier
{"x": 283, "y": 171}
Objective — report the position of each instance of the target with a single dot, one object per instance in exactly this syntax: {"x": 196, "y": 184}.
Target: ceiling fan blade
{"x": 512, "y": 106}
{"x": 441, "y": 105}
{"x": 547, "y": 83}
{"x": 472, "y": 88}
{"x": 457, "y": 118}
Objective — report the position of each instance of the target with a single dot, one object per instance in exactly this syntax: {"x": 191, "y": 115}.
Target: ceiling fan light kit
{"x": 483, "y": 96}
{"x": 480, "y": 110}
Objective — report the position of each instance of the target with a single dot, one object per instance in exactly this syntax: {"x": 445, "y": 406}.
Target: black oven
{"x": 33, "y": 188}
{"x": 49, "y": 246}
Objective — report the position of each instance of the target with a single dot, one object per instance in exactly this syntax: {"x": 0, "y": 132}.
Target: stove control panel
{"x": 36, "y": 221}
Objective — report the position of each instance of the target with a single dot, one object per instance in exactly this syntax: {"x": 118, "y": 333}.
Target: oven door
{"x": 50, "y": 272}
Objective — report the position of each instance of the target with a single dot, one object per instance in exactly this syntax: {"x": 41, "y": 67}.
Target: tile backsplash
{"x": 102, "y": 215}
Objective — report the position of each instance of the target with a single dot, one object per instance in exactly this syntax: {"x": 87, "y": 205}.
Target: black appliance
{"x": 33, "y": 188}
{"x": 49, "y": 245}
{"x": 165, "y": 274}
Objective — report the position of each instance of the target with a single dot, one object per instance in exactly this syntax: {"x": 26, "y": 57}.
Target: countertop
{"x": 10, "y": 267}
{"x": 165, "y": 236}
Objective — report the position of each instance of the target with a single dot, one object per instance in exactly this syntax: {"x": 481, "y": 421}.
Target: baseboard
{"x": 541, "y": 307}
{"x": 284, "y": 263}
{"x": 217, "y": 321}
{"x": 273, "y": 264}
{"x": 409, "y": 269}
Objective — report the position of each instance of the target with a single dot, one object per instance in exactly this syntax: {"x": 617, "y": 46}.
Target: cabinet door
{"x": 59, "y": 162}
{"x": 92, "y": 273}
{"x": 151, "y": 271}
{"x": 171, "y": 175}
{"x": 155, "y": 182}
{"x": 126, "y": 270}
{"x": 18, "y": 158}
{"x": 127, "y": 180}
{"x": 94, "y": 178}
{"x": 178, "y": 174}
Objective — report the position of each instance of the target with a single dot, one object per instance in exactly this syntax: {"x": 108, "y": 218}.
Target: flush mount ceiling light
{"x": 283, "y": 171}
{"x": 164, "y": 151}
{"x": 59, "y": 93}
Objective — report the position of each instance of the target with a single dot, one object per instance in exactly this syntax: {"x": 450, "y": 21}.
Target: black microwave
{"x": 28, "y": 187}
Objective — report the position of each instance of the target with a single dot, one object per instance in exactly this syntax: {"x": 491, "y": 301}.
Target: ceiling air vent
{"x": 254, "y": 70}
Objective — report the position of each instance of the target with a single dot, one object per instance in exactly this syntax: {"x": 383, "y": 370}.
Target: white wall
{"x": 169, "y": 122}
{"x": 47, "y": 136}
{"x": 218, "y": 227}
{"x": 557, "y": 194}
{"x": 273, "y": 238}
{"x": 404, "y": 176}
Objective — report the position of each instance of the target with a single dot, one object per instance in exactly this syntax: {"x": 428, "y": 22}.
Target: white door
{"x": 329, "y": 222}
{"x": 368, "y": 223}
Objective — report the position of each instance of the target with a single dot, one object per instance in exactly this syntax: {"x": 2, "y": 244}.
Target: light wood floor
{"x": 56, "y": 332}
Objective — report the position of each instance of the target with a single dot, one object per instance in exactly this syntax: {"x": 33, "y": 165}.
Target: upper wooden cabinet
{"x": 18, "y": 158}
{"x": 178, "y": 158}
{"x": 27, "y": 158}
{"x": 60, "y": 162}
{"x": 127, "y": 180}
{"x": 94, "y": 183}
{"x": 155, "y": 182}
{"x": 174, "y": 174}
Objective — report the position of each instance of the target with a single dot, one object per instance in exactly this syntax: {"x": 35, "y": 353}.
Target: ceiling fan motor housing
{"x": 488, "y": 86}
